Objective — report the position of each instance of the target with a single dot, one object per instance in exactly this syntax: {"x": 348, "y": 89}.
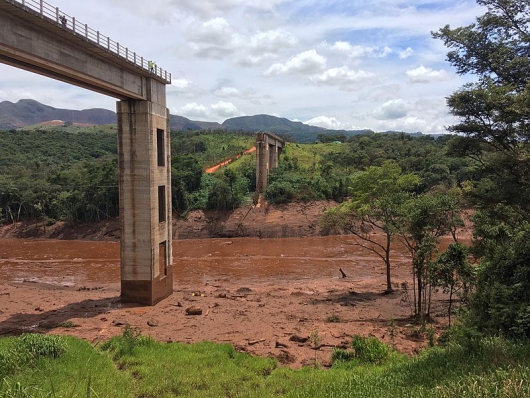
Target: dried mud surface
{"x": 264, "y": 296}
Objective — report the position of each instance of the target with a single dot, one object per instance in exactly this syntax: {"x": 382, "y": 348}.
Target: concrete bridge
{"x": 268, "y": 148}
{"x": 40, "y": 38}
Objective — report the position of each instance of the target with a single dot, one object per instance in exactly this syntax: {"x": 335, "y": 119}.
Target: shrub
{"x": 41, "y": 345}
{"x": 126, "y": 343}
{"x": 370, "y": 350}
{"x": 339, "y": 354}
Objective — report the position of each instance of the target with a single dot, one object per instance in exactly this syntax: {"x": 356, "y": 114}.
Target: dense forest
{"x": 72, "y": 176}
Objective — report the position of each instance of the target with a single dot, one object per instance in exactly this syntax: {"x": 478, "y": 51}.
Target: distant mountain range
{"x": 28, "y": 112}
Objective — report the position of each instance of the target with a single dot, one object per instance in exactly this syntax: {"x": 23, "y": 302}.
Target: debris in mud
{"x": 298, "y": 339}
{"x": 281, "y": 345}
{"x": 152, "y": 323}
{"x": 244, "y": 290}
{"x": 194, "y": 310}
{"x": 285, "y": 357}
{"x": 252, "y": 342}
{"x": 84, "y": 288}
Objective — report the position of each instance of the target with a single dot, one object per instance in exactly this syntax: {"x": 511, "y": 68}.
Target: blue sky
{"x": 337, "y": 64}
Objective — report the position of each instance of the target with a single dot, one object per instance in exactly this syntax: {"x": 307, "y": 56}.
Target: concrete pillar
{"x": 263, "y": 157}
{"x": 273, "y": 156}
{"x": 145, "y": 198}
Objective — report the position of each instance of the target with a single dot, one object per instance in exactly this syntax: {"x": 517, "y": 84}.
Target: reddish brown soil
{"x": 214, "y": 168}
{"x": 268, "y": 221}
{"x": 258, "y": 294}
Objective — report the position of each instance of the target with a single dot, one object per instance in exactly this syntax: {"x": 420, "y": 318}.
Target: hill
{"x": 28, "y": 112}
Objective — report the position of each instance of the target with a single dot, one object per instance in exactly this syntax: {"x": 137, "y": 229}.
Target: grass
{"x": 133, "y": 365}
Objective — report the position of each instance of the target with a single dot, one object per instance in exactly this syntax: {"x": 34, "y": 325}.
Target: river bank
{"x": 293, "y": 220}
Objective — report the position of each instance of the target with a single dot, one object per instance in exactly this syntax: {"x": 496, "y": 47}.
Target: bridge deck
{"x": 61, "y": 24}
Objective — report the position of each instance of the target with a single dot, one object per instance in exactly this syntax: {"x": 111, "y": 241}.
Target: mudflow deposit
{"x": 264, "y": 296}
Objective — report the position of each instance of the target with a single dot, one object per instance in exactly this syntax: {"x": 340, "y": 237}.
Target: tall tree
{"x": 374, "y": 210}
{"x": 426, "y": 218}
{"x": 494, "y": 111}
{"x": 494, "y": 114}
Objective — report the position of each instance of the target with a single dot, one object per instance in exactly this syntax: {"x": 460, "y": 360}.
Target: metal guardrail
{"x": 69, "y": 23}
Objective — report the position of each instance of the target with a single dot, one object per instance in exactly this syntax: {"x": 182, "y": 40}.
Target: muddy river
{"x": 73, "y": 262}
{"x": 254, "y": 293}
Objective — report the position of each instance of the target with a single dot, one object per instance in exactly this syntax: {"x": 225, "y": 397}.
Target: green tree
{"x": 494, "y": 120}
{"x": 374, "y": 209}
{"x": 453, "y": 273}
{"x": 425, "y": 219}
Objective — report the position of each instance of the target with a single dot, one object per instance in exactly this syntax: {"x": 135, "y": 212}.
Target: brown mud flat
{"x": 264, "y": 296}
{"x": 268, "y": 221}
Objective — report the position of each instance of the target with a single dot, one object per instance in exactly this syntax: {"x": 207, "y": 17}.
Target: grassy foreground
{"x": 136, "y": 366}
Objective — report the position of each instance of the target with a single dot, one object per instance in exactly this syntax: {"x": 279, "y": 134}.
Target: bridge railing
{"x": 70, "y": 23}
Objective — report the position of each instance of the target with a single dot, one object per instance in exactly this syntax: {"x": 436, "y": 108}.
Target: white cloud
{"x": 218, "y": 39}
{"x": 225, "y": 110}
{"x": 205, "y": 8}
{"x": 356, "y": 51}
{"x": 380, "y": 93}
{"x": 271, "y": 41}
{"x": 212, "y": 39}
{"x": 328, "y": 123}
{"x": 427, "y": 75}
{"x": 343, "y": 77}
{"x": 264, "y": 46}
{"x": 406, "y": 53}
{"x": 226, "y": 92}
{"x": 193, "y": 110}
{"x": 181, "y": 83}
{"x": 393, "y": 109}
{"x": 308, "y": 62}
{"x": 163, "y": 10}
{"x": 352, "y": 51}
{"x": 215, "y": 112}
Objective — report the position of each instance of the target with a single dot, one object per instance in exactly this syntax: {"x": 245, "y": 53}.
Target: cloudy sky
{"x": 348, "y": 64}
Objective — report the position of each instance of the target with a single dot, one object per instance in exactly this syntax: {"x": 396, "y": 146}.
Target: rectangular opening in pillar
{"x": 160, "y": 147}
{"x": 161, "y": 203}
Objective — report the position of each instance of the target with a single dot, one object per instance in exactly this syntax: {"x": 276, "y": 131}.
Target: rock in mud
{"x": 194, "y": 310}
{"x": 298, "y": 339}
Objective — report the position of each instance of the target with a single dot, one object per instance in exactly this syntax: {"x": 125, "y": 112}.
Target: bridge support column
{"x": 145, "y": 201}
{"x": 268, "y": 148}
{"x": 262, "y": 166}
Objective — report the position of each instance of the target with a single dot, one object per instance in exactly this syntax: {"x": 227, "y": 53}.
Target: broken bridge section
{"x": 40, "y": 38}
{"x": 268, "y": 149}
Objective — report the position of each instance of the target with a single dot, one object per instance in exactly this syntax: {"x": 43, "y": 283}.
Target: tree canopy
{"x": 494, "y": 120}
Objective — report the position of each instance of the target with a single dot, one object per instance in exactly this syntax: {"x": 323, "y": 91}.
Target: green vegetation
{"x": 327, "y": 171}
{"x": 494, "y": 115}
{"x": 59, "y": 174}
{"x": 133, "y": 365}
{"x": 379, "y": 194}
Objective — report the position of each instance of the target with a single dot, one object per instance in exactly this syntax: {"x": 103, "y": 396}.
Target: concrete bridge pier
{"x": 268, "y": 148}
{"x": 145, "y": 197}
